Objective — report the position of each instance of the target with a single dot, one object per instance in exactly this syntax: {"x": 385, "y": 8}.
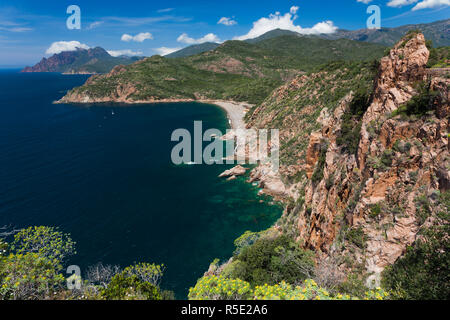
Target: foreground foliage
{"x": 221, "y": 288}
{"x": 272, "y": 260}
{"x": 31, "y": 268}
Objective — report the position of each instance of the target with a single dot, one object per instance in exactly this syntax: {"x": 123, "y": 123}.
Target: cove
{"x": 104, "y": 175}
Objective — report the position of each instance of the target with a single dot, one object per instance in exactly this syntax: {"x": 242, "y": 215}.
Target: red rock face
{"x": 398, "y": 160}
{"x": 399, "y": 72}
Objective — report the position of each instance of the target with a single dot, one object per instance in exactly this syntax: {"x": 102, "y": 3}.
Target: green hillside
{"x": 193, "y": 50}
{"x": 236, "y": 70}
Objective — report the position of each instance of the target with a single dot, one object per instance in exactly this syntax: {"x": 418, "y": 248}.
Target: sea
{"x": 103, "y": 174}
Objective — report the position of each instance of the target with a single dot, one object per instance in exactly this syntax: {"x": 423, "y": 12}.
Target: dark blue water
{"x": 107, "y": 179}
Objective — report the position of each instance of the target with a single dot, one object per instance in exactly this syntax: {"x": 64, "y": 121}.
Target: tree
{"x": 101, "y": 275}
{"x": 146, "y": 272}
{"x": 29, "y": 276}
{"x": 48, "y": 242}
{"x": 272, "y": 260}
{"x": 124, "y": 286}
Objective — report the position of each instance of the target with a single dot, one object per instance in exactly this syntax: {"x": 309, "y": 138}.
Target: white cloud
{"x": 294, "y": 9}
{"x": 400, "y": 3}
{"x": 164, "y": 51}
{"x": 364, "y": 1}
{"x": 126, "y": 52}
{"x": 227, "y": 21}
{"x": 210, "y": 37}
{"x": 165, "y": 10}
{"x": 94, "y": 25}
{"x": 16, "y": 29}
{"x": 60, "y": 46}
{"x": 9, "y": 24}
{"x": 286, "y": 22}
{"x": 431, "y": 4}
{"x": 126, "y": 37}
{"x": 140, "y": 37}
{"x": 421, "y": 5}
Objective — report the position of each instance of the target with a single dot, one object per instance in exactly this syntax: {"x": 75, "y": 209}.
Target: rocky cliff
{"x": 364, "y": 172}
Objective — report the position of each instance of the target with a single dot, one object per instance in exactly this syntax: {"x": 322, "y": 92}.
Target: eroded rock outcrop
{"x": 365, "y": 206}
{"x": 363, "y": 203}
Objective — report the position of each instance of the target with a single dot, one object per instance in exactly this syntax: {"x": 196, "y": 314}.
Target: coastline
{"x": 235, "y": 111}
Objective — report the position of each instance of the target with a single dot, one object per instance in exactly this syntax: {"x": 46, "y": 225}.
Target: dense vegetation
{"x": 439, "y": 58}
{"x": 192, "y": 50}
{"x": 351, "y": 120}
{"x": 220, "y": 288}
{"x": 31, "y": 268}
{"x": 235, "y": 70}
{"x": 269, "y": 266}
{"x": 270, "y": 261}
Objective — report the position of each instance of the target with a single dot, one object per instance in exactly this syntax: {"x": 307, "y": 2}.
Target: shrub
{"x": 29, "y": 277}
{"x": 271, "y": 260}
{"x": 351, "y": 121}
{"x": 402, "y": 147}
{"x": 439, "y": 57}
{"x": 357, "y": 237}
{"x": 245, "y": 240}
{"x": 354, "y": 285}
{"x": 129, "y": 287}
{"x": 318, "y": 172}
{"x": 375, "y": 210}
{"x": 386, "y": 158}
{"x": 101, "y": 275}
{"x": 46, "y": 241}
{"x": 423, "y": 210}
{"x": 220, "y": 288}
{"x": 146, "y": 272}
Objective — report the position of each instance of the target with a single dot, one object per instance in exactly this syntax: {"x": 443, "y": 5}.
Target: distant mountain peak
{"x": 93, "y": 60}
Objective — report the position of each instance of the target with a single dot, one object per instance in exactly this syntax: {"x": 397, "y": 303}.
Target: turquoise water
{"x": 104, "y": 174}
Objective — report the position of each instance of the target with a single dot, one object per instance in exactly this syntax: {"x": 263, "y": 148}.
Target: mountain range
{"x": 438, "y": 32}
{"x": 98, "y": 60}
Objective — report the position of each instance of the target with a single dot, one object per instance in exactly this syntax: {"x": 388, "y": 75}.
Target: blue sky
{"x": 31, "y": 29}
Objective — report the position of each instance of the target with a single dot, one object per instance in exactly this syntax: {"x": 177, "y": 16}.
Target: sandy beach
{"x": 235, "y": 111}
